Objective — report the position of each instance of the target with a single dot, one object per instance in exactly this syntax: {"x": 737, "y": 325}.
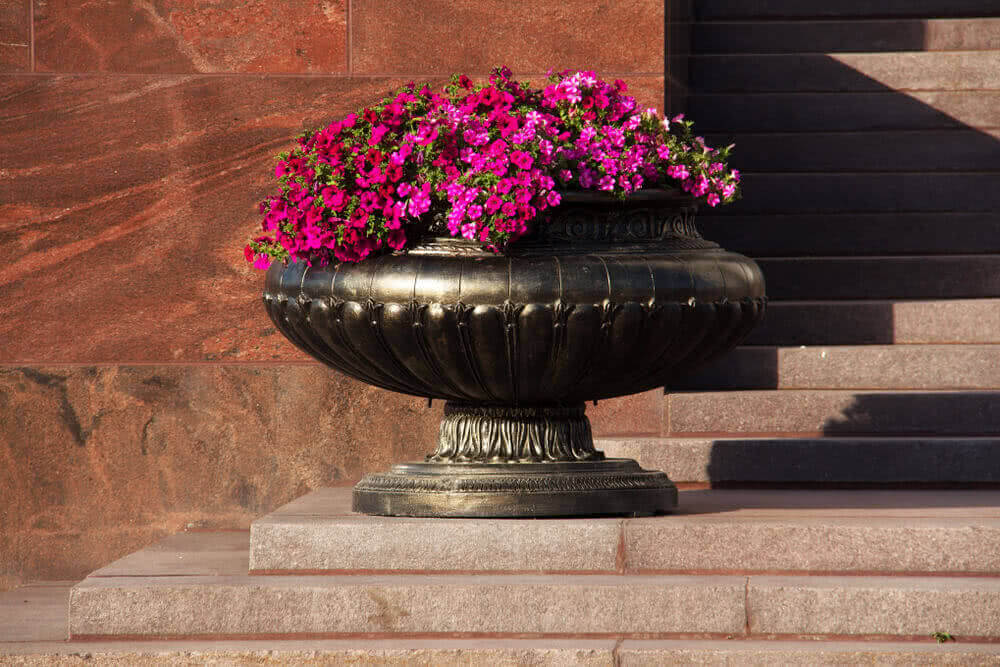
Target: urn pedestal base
{"x": 509, "y": 490}
{"x": 504, "y": 461}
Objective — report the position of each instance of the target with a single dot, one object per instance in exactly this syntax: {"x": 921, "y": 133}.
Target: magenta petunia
{"x": 486, "y": 156}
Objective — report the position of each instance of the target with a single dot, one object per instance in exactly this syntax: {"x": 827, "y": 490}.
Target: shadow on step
{"x": 854, "y": 189}
{"x": 878, "y": 440}
{"x": 712, "y": 501}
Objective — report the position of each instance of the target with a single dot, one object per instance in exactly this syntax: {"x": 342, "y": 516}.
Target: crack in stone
{"x": 66, "y": 411}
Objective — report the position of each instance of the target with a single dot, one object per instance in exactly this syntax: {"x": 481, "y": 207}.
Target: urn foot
{"x": 509, "y": 490}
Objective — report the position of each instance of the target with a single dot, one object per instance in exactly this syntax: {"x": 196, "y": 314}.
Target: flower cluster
{"x": 489, "y": 158}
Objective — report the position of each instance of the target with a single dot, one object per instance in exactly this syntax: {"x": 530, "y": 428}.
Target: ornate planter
{"x": 609, "y": 298}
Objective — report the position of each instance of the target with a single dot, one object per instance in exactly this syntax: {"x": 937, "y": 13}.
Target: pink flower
{"x": 522, "y": 159}
{"x": 377, "y": 133}
{"x": 262, "y": 262}
{"x": 396, "y": 239}
{"x": 474, "y": 150}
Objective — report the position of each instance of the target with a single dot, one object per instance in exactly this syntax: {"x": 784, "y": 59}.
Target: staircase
{"x": 840, "y": 472}
{"x": 869, "y": 136}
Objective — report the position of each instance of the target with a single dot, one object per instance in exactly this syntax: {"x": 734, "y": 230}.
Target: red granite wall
{"x": 142, "y": 388}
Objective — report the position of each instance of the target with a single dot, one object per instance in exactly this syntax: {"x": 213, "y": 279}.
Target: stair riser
{"x": 835, "y": 412}
{"x": 943, "y": 277}
{"x": 890, "y": 606}
{"x": 783, "y": 605}
{"x": 856, "y": 234}
{"x": 941, "y": 150}
{"x": 868, "y": 193}
{"x": 359, "y": 543}
{"x": 812, "y": 545}
{"x": 418, "y": 604}
{"x": 850, "y": 112}
{"x": 786, "y": 653}
{"x": 817, "y": 461}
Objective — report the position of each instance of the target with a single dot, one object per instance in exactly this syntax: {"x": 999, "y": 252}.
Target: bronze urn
{"x": 605, "y": 298}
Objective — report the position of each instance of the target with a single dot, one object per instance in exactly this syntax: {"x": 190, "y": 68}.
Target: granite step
{"x": 760, "y": 602}
{"x": 310, "y": 606}
{"x": 836, "y": 36}
{"x": 857, "y": 234}
{"x": 927, "y": 366}
{"x": 818, "y": 412}
{"x": 878, "y": 322}
{"x": 846, "y": 72}
{"x": 928, "y": 277}
{"x": 872, "y": 151}
{"x": 818, "y": 462}
{"x": 867, "y": 532}
{"x": 708, "y": 10}
{"x": 845, "y": 112}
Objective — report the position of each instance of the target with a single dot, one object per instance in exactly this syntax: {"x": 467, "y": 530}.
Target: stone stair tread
{"x": 808, "y": 35}
{"x": 201, "y": 553}
{"x": 829, "y": 460}
{"x": 34, "y": 613}
{"x": 866, "y": 367}
{"x": 878, "y": 321}
{"x": 511, "y": 652}
{"x": 846, "y": 72}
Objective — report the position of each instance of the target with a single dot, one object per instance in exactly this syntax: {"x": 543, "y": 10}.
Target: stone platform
{"x": 736, "y": 576}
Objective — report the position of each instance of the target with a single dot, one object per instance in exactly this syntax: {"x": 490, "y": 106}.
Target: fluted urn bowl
{"x": 605, "y": 298}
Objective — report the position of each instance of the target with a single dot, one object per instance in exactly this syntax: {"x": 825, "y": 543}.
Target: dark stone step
{"x": 878, "y": 322}
{"x": 835, "y": 234}
{"x": 846, "y": 36}
{"x": 847, "y": 72}
{"x": 934, "y": 150}
{"x": 831, "y": 112}
{"x": 862, "y": 193}
{"x": 910, "y": 277}
{"x": 748, "y": 9}
{"x": 935, "y": 367}
{"x": 836, "y": 413}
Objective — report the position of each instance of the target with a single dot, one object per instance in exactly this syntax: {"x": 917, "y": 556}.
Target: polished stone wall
{"x": 142, "y": 389}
